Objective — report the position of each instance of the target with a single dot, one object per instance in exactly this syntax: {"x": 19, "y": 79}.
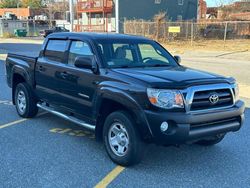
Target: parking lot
{"x": 49, "y": 152}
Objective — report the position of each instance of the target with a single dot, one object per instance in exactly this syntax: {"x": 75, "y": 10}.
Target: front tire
{"x": 212, "y": 141}
{"x": 122, "y": 140}
{"x": 25, "y": 101}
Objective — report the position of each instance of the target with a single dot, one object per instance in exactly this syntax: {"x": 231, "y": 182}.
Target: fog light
{"x": 164, "y": 126}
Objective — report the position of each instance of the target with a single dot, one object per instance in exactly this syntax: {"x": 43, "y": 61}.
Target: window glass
{"x": 149, "y": 52}
{"x": 55, "y": 50}
{"x": 157, "y": 1}
{"x": 57, "y": 45}
{"x": 134, "y": 54}
{"x": 78, "y": 48}
{"x": 179, "y": 17}
{"x": 180, "y": 2}
{"x": 109, "y": 18}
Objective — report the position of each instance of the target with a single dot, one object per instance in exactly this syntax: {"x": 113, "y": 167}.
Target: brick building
{"x": 25, "y": 13}
{"x": 202, "y": 9}
{"x": 239, "y": 10}
{"x": 245, "y": 16}
{"x": 19, "y": 12}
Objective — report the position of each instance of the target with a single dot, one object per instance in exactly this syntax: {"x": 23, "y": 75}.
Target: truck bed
{"x": 32, "y": 55}
{"x": 22, "y": 62}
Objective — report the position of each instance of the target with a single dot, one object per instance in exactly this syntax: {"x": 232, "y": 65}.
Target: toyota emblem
{"x": 214, "y": 98}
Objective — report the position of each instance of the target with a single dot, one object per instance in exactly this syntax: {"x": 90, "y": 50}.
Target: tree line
{"x": 22, "y": 3}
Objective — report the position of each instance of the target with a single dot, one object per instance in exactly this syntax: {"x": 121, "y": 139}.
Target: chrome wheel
{"x": 118, "y": 139}
{"x": 21, "y": 102}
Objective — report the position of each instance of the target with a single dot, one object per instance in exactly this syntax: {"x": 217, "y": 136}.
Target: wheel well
{"x": 107, "y": 107}
{"x": 17, "y": 78}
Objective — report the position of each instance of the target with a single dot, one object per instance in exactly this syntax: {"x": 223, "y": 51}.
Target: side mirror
{"x": 86, "y": 63}
{"x": 178, "y": 59}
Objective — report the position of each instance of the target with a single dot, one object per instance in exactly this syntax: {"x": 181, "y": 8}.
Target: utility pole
{"x": 72, "y": 15}
{"x": 18, "y": 10}
{"x": 117, "y": 16}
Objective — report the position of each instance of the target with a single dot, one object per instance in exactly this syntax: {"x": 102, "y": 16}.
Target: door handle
{"x": 40, "y": 68}
{"x": 64, "y": 75}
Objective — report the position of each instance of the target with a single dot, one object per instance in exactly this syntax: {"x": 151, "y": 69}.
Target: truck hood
{"x": 172, "y": 76}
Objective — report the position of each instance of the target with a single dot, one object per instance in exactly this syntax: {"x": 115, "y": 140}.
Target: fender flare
{"x": 126, "y": 100}
{"x": 18, "y": 70}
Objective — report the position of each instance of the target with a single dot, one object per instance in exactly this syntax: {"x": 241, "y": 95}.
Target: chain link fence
{"x": 171, "y": 31}
{"x": 34, "y": 27}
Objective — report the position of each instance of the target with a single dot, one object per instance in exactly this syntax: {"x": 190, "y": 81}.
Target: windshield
{"x": 134, "y": 54}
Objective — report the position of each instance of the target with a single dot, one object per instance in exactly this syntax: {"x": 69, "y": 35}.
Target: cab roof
{"x": 96, "y": 36}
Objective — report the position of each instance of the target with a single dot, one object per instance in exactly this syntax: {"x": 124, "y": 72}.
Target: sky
{"x": 211, "y": 3}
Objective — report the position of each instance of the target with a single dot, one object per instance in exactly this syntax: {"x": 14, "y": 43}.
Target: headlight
{"x": 166, "y": 99}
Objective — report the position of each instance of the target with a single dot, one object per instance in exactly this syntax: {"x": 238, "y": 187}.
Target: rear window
{"x": 55, "y": 50}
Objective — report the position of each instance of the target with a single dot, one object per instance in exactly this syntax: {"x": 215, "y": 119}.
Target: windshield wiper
{"x": 123, "y": 66}
{"x": 132, "y": 66}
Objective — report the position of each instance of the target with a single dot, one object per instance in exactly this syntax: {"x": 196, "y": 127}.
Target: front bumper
{"x": 187, "y": 127}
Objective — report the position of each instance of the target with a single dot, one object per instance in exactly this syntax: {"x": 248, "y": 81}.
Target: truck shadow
{"x": 227, "y": 154}
{"x": 223, "y": 160}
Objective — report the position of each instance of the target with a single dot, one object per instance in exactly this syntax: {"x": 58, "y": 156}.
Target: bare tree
{"x": 52, "y": 7}
{"x": 161, "y": 16}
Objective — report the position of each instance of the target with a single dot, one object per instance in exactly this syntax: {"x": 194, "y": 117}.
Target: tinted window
{"x": 134, "y": 54}
{"x": 127, "y": 51}
{"x": 55, "y": 50}
{"x": 78, "y": 48}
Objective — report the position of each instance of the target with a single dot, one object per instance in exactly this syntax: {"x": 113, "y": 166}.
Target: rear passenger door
{"x": 49, "y": 71}
{"x": 79, "y": 87}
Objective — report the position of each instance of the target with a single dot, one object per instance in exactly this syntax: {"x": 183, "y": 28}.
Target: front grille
{"x": 201, "y": 100}
{"x": 215, "y": 123}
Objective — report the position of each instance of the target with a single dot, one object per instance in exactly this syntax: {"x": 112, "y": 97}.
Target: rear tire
{"x": 210, "y": 142}
{"x": 25, "y": 101}
{"x": 122, "y": 140}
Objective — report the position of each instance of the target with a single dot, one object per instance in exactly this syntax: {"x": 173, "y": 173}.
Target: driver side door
{"x": 78, "y": 87}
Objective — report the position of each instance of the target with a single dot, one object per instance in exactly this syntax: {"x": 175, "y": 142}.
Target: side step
{"x": 66, "y": 117}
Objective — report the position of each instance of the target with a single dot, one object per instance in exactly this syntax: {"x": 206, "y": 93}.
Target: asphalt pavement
{"x": 47, "y": 151}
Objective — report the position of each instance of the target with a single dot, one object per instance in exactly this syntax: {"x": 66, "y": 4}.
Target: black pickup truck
{"x": 57, "y": 29}
{"x": 129, "y": 90}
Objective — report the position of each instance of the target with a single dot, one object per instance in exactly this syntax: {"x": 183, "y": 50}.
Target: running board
{"x": 66, "y": 117}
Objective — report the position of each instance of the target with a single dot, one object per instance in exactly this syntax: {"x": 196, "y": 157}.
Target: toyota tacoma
{"x": 129, "y": 90}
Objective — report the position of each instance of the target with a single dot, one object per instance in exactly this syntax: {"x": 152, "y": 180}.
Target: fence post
{"x": 167, "y": 27}
{"x": 187, "y": 30}
{"x": 149, "y": 29}
{"x": 125, "y": 25}
{"x": 192, "y": 33}
{"x": 34, "y": 28}
{"x": 135, "y": 30}
{"x": 28, "y": 28}
{"x": 143, "y": 27}
{"x": 225, "y": 34}
{"x": 165, "y": 31}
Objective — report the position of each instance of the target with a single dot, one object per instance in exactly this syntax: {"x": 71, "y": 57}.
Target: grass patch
{"x": 8, "y": 35}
